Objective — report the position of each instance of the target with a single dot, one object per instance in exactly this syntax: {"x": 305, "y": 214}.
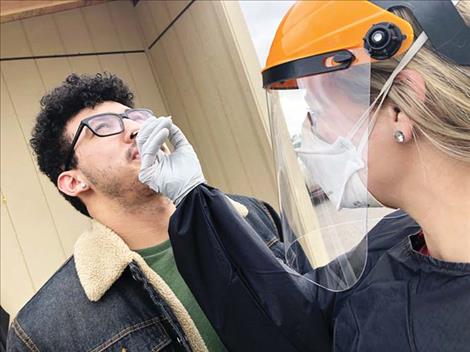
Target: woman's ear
{"x": 415, "y": 81}
{"x": 71, "y": 184}
{"x": 402, "y": 126}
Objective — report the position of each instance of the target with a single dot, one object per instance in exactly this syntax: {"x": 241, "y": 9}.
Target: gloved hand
{"x": 173, "y": 175}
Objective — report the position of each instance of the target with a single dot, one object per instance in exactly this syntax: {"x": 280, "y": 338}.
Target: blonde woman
{"x": 384, "y": 93}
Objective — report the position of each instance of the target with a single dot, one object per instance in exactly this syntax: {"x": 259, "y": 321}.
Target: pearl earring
{"x": 399, "y": 136}
{"x": 84, "y": 185}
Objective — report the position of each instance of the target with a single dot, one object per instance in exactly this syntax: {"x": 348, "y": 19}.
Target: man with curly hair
{"x": 120, "y": 290}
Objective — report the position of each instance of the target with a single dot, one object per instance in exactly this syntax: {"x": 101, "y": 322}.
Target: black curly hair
{"x": 49, "y": 141}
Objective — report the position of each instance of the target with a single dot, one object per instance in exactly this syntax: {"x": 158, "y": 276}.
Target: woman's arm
{"x": 252, "y": 299}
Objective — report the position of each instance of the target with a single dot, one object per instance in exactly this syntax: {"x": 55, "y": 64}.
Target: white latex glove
{"x": 173, "y": 175}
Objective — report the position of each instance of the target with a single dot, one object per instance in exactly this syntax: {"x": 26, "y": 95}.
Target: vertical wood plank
{"x": 225, "y": 61}
{"x": 161, "y": 17}
{"x": 145, "y": 20}
{"x": 213, "y": 118}
{"x": 24, "y": 85}
{"x": 185, "y": 100}
{"x": 13, "y": 40}
{"x": 35, "y": 229}
{"x": 53, "y": 72}
{"x": 101, "y": 28}
{"x": 125, "y": 24}
{"x": 170, "y": 87}
{"x": 117, "y": 65}
{"x": 176, "y": 7}
{"x": 85, "y": 65}
{"x": 146, "y": 84}
{"x": 16, "y": 285}
{"x": 73, "y": 32}
{"x": 42, "y": 36}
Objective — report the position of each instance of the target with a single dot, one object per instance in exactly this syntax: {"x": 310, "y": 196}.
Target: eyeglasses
{"x": 107, "y": 124}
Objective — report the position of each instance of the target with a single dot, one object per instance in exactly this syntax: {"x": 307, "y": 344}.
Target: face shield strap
{"x": 417, "y": 45}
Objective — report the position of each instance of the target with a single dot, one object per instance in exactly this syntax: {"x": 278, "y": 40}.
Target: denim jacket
{"x": 106, "y": 298}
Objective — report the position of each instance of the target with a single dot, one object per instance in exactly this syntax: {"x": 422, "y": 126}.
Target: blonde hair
{"x": 444, "y": 116}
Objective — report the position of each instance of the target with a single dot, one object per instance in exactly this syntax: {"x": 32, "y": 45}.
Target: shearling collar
{"x": 101, "y": 256}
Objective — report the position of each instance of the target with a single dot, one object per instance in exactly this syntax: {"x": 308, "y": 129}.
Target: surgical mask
{"x": 335, "y": 167}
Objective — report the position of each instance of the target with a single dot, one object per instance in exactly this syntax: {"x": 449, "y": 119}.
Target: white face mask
{"x": 335, "y": 167}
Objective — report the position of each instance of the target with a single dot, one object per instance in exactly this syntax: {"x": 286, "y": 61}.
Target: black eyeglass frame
{"x": 85, "y": 123}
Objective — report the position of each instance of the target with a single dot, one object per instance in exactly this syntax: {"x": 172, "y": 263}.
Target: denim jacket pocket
{"x": 149, "y": 335}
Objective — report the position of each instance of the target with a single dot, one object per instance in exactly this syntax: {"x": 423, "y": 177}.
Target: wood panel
{"x": 13, "y": 10}
{"x": 44, "y": 225}
{"x": 74, "y": 32}
{"x": 100, "y": 27}
{"x": 13, "y": 40}
{"x": 107, "y": 27}
{"x": 125, "y": 25}
{"x": 160, "y": 15}
{"x": 146, "y": 22}
{"x": 196, "y": 72}
{"x": 16, "y": 284}
{"x": 242, "y": 98}
{"x": 42, "y": 35}
{"x": 28, "y": 209}
{"x": 146, "y": 89}
{"x": 195, "y": 114}
{"x": 210, "y": 114}
{"x": 210, "y": 93}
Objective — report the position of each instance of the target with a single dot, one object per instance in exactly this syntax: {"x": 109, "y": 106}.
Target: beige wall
{"x": 209, "y": 90}
{"x": 195, "y": 72}
{"x": 39, "y": 227}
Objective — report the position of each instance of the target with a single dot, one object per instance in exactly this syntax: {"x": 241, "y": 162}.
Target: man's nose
{"x": 131, "y": 128}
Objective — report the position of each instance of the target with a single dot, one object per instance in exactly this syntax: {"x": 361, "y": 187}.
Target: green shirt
{"x": 161, "y": 259}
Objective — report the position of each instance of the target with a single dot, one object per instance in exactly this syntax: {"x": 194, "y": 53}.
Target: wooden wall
{"x": 201, "y": 69}
{"x": 38, "y": 227}
{"x": 212, "y": 84}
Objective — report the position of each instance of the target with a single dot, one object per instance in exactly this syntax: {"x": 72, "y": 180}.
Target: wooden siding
{"x": 39, "y": 227}
{"x": 210, "y": 78}
{"x": 203, "y": 71}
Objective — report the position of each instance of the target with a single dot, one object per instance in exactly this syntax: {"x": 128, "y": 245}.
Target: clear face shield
{"x": 320, "y": 133}
{"x": 321, "y": 117}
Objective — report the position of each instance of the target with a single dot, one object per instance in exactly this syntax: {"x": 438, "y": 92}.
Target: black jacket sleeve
{"x": 254, "y": 301}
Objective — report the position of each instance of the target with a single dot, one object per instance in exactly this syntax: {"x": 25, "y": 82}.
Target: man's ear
{"x": 72, "y": 183}
{"x": 415, "y": 81}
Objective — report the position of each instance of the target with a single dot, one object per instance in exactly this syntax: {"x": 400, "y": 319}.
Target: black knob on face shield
{"x": 383, "y": 40}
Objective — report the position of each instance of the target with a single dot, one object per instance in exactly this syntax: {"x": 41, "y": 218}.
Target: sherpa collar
{"x": 101, "y": 257}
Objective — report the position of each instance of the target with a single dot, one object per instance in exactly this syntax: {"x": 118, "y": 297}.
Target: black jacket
{"x": 404, "y": 301}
